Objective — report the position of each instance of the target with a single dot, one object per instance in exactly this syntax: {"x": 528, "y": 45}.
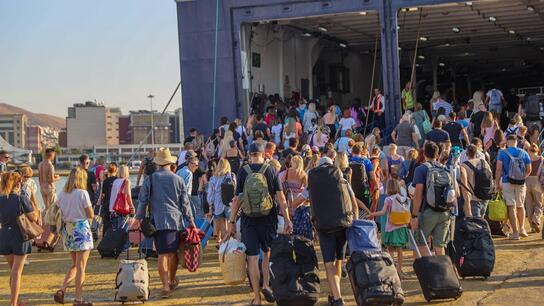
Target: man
{"x": 270, "y": 151}
{"x": 169, "y": 196}
{"x": 342, "y": 143}
{"x": 292, "y": 150}
{"x": 261, "y": 126}
{"x": 378, "y": 108}
{"x": 455, "y": 130}
{"x": 407, "y": 97}
{"x": 358, "y": 160}
{"x": 92, "y": 186}
{"x": 187, "y": 147}
{"x": 186, "y": 174}
{"x": 433, "y": 223}
{"x": 258, "y": 232}
{"x": 494, "y": 100}
{"x": 47, "y": 179}
{"x": 480, "y": 154}
{"x": 476, "y": 121}
{"x": 404, "y": 135}
{"x": 438, "y": 136}
{"x": 513, "y": 193}
{"x": 4, "y": 159}
{"x": 474, "y": 207}
{"x": 333, "y": 246}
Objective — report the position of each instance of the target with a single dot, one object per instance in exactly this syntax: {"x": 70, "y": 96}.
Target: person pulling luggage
{"x": 257, "y": 185}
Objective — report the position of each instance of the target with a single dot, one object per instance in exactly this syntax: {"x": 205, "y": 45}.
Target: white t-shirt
{"x": 346, "y": 123}
{"x": 181, "y": 157}
{"x": 495, "y": 96}
{"x": 72, "y": 205}
{"x": 276, "y": 130}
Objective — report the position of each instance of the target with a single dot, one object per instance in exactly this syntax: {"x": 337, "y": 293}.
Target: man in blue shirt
{"x": 513, "y": 194}
{"x": 432, "y": 223}
{"x": 186, "y": 173}
{"x": 358, "y": 159}
{"x": 438, "y": 136}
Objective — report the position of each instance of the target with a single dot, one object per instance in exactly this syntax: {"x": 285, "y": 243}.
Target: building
{"x": 90, "y": 124}
{"x": 124, "y": 130}
{"x": 39, "y": 138}
{"x": 130, "y": 152}
{"x": 63, "y": 138}
{"x": 140, "y": 126}
{"x": 333, "y": 46}
{"x": 13, "y": 129}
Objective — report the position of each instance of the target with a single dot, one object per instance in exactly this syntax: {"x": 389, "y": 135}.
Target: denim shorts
{"x": 225, "y": 214}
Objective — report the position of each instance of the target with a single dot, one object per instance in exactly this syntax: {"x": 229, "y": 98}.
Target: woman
{"x": 121, "y": 186}
{"x": 290, "y": 131}
{"x": 105, "y": 195}
{"x": 76, "y": 209}
{"x": 497, "y": 143}
{"x": 225, "y": 143}
{"x": 434, "y": 99}
{"x": 318, "y": 138}
{"x": 330, "y": 119}
{"x": 12, "y": 245}
{"x": 234, "y": 156}
{"x": 29, "y": 187}
{"x": 313, "y": 161}
{"x": 477, "y": 99}
{"x": 341, "y": 162}
{"x": 405, "y": 136}
{"x": 293, "y": 180}
{"x": 310, "y": 118}
{"x": 489, "y": 125}
{"x": 347, "y": 123}
{"x": 534, "y": 197}
{"x": 418, "y": 117}
{"x": 221, "y": 211}
{"x": 394, "y": 161}
{"x": 373, "y": 139}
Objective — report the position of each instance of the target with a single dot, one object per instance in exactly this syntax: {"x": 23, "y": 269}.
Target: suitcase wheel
{"x": 429, "y": 301}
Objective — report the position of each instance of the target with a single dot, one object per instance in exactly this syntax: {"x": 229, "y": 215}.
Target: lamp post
{"x": 150, "y": 96}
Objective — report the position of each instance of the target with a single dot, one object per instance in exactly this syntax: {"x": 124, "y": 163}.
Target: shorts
{"x": 167, "y": 241}
{"x": 478, "y": 208}
{"x": 225, "y": 214}
{"x": 12, "y": 243}
{"x": 258, "y": 237}
{"x": 497, "y": 108}
{"x": 333, "y": 246}
{"x": 514, "y": 195}
{"x": 435, "y": 224}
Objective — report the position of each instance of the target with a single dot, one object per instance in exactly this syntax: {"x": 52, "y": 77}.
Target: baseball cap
{"x": 256, "y": 148}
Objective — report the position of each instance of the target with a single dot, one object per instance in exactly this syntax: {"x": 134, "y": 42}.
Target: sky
{"x": 56, "y": 53}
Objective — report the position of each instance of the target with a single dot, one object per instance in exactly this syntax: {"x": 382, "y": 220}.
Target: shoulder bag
{"x": 147, "y": 227}
{"x": 121, "y": 205}
{"x": 29, "y": 229}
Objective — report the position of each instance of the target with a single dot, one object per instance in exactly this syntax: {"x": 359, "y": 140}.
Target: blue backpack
{"x": 302, "y": 222}
{"x": 363, "y": 236}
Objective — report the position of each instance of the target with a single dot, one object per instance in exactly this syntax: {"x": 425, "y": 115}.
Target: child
{"x": 395, "y": 233}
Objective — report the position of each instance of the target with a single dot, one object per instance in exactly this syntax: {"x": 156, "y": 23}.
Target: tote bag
{"x": 497, "y": 209}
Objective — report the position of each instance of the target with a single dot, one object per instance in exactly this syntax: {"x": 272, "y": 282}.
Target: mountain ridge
{"x": 44, "y": 120}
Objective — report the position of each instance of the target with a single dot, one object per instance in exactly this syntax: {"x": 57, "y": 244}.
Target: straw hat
{"x": 164, "y": 157}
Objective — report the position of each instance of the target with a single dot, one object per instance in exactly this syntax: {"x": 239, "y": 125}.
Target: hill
{"x": 34, "y": 118}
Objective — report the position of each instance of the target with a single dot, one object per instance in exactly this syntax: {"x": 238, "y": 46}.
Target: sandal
{"x": 82, "y": 303}
{"x": 165, "y": 294}
{"x": 59, "y": 297}
{"x": 253, "y": 304}
{"x": 174, "y": 285}
{"x": 268, "y": 295}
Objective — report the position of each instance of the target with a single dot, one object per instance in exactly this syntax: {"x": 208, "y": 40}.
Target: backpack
{"x": 406, "y": 172}
{"x": 483, "y": 178}
{"x": 360, "y": 183}
{"x": 256, "y": 200}
{"x": 331, "y": 202}
{"x": 516, "y": 171}
{"x": 302, "y": 222}
{"x": 132, "y": 281}
{"x": 227, "y": 189}
{"x": 438, "y": 185}
{"x": 495, "y": 98}
{"x": 400, "y": 213}
{"x": 533, "y": 107}
{"x": 149, "y": 166}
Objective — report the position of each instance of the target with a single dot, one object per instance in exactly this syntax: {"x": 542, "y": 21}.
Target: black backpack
{"x": 483, "y": 178}
{"x": 331, "y": 203}
{"x": 359, "y": 183}
{"x": 227, "y": 190}
{"x": 294, "y": 273}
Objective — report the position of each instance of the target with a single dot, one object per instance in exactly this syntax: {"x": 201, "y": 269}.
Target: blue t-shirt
{"x": 420, "y": 177}
{"x": 11, "y": 206}
{"x": 515, "y": 152}
{"x": 359, "y": 160}
{"x": 438, "y": 136}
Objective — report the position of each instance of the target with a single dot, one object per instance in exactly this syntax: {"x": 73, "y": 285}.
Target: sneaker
{"x": 536, "y": 227}
{"x": 27, "y": 262}
{"x": 524, "y": 234}
{"x": 339, "y": 302}
{"x": 344, "y": 272}
{"x": 513, "y": 237}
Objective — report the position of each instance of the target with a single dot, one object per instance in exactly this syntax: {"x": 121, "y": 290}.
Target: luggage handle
{"x": 139, "y": 245}
{"x": 413, "y": 239}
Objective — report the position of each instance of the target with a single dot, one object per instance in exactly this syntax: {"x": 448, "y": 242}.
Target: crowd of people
{"x": 258, "y": 174}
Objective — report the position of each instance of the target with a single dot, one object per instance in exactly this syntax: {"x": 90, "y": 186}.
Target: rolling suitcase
{"x": 147, "y": 248}
{"x": 436, "y": 275}
{"x": 97, "y": 222}
{"x": 39, "y": 242}
{"x": 132, "y": 280}
{"x": 114, "y": 241}
{"x": 374, "y": 279}
{"x": 472, "y": 249}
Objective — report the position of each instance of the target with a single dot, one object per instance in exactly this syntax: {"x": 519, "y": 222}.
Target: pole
{"x": 152, "y": 121}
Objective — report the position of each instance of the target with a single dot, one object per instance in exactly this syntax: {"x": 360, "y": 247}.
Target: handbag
{"x": 427, "y": 126}
{"x": 146, "y": 226}
{"x": 121, "y": 205}
{"x": 29, "y": 229}
{"x": 497, "y": 209}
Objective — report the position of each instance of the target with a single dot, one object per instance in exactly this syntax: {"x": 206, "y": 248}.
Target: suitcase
{"x": 114, "y": 241}
{"x": 436, "y": 275}
{"x": 472, "y": 249}
{"x": 294, "y": 273}
{"x": 134, "y": 236}
{"x": 205, "y": 225}
{"x": 363, "y": 236}
{"x": 39, "y": 241}
{"x": 97, "y": 222}
{"x": 132, "y": 280}
{"x": 374, "y": 279}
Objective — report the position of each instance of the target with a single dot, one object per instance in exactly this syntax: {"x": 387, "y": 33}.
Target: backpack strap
{"x": 264, "y": 167}
{"x": 248, "y": 170}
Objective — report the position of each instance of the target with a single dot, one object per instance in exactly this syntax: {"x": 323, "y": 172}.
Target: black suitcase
{"x": 436, "y": 275}
{"x": 472, "y": 249}
{"x": 374, "y": 279}
{"x": 113, "y": 243}
{"x": 294, "y": 273}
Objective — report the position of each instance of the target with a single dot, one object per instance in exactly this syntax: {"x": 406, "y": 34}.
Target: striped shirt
{"x": 443, "y": 104}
